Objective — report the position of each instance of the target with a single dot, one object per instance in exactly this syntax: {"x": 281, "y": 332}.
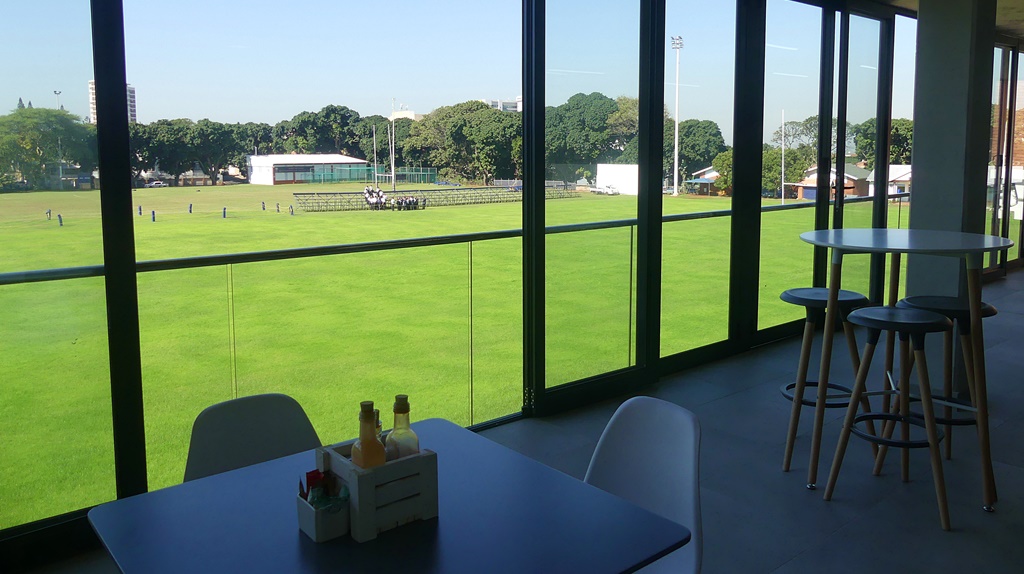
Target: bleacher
{"x": 354, "y": 200}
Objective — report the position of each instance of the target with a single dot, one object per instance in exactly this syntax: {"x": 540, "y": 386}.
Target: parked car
{"x": 156, "y": 184}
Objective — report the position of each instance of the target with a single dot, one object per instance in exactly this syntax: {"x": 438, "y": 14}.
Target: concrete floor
{"x": 757, "y": 518}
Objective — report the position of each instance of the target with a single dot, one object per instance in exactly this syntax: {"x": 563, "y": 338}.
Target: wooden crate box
{"x": 396, "y": 493}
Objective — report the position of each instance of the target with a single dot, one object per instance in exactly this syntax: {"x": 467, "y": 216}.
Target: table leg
{"x": 890, "y": 336}
{"x": 831, "y": 311}
{"x": 974, "y": 262}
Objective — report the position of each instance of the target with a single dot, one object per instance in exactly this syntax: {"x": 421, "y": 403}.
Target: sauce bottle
{"x": 368, "y": 451}
{"x": 402, "y": 441}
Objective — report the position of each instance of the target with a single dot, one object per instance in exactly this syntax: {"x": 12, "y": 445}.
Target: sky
{"x": 266, "y": 60}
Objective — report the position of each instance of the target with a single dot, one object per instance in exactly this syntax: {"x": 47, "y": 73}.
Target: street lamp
{"x": 57, "y": 93}
{"x": 677, "y": 45}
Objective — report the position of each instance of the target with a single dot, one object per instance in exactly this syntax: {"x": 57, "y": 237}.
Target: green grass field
{"x": 443, "y": 324}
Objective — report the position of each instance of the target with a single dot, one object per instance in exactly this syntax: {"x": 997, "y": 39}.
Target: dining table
{"x": 498, "y": 511}
{"x": 970, "y": 248}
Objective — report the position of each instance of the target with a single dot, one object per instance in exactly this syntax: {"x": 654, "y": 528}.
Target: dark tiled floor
{"x": 759, "y": 519}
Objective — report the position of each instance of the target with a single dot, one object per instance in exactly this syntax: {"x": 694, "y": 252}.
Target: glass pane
{"x": 901, "y": 137}
{"x": 698, "y": 97}
{"x": 187, "y": 361}
{"x": 997, "y": 147}
{"x": 699, "y": 125}
{"x": 57, "y": 441}
{"x": 224, "y": 163}
{"x": 591, "y": 290}
{"x": 590, "y": 142}
{"x": 695, "y": 284}
{"x": 497, "y": 329}
{"x": 861, "y": 129}
{"x": 49, "y": 203}
{"x": 1016, "y": 187}
{"x": 790, "y": 144}
{"x": 334, "y": 331}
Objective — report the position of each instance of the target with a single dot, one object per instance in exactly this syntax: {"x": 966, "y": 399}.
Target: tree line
{"x": 468, "y": 141}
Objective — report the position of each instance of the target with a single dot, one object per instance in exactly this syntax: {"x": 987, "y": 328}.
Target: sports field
{"x": 442, "y": 324}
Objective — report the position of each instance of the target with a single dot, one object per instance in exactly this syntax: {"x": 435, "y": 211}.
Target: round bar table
{"x": 971, "y": 247}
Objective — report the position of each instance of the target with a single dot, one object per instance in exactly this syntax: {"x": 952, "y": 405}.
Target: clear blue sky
{"x": 266, "y": 60}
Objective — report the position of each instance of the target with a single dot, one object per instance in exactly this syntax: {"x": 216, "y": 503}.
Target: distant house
{"x": 898, "y": 182}
{"x": 703, "y": 182}
{"x": 855, "y": 182}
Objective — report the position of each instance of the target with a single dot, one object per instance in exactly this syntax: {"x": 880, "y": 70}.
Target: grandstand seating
{"x": 354, "y": 200}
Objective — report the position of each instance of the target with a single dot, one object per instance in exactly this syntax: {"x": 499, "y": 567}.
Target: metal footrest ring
{"x": 891, "y": 442}
{"x": 831, "y": 401}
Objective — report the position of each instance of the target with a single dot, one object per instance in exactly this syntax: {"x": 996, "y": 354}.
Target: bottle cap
{"x": 401, "y": 404}
{"x": 366, "y": 411}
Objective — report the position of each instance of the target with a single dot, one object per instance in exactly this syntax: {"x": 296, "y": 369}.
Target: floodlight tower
{"x": 677, "y": 45}
{"x": 60, "y": 153}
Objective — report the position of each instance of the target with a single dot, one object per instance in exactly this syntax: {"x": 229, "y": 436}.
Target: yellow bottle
{"x": 368, "y": 451}
{"x": 402, "y": 441}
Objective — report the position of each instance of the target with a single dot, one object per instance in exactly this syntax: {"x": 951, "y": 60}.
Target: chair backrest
{"x": 246, "y": 431}
{"x": 649, "y": 454}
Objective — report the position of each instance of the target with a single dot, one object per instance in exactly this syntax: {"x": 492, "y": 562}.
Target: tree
{"x": 623, "y": 123}
{"x": 798, "y": 160}
{"x": 700, "y": 141}
{"x": 442, "y": 139}
{"x": 805, "y": 132}
{"x": 33, "y": 141}
{"x": 723, "y": 165}
{"x": 577, "y": 133}
{"x": 334, "y": 131}
{"x": 492, "y": 135}
{"x": 141, "y": 149}
{"x": 211, "y": 145}
{"x": 170, "y": 146}
{"x": 901, "y": 137}
{"x": 250, "y": 139}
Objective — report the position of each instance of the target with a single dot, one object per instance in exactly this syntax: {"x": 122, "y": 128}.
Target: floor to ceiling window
{"x": 697, "y": 163}
{"x": 278, "y": 153}
{"x": 590, "y": 130}
{"x": 55, "y": 421}
{"x": 789, "y": 167}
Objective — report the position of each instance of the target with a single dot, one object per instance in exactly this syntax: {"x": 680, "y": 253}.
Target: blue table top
{"x": 499, "y": 512}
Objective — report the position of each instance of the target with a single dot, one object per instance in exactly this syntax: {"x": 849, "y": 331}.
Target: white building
{"x": 277, "y": 169}
{"x": 515, "y": 105}
{"x": 624, "y": 178}
{"x": 132, "y": 116}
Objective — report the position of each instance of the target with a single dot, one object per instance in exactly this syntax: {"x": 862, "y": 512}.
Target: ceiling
{"x": 1009, "y": 14}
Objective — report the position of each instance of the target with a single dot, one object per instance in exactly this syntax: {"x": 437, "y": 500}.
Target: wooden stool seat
{"x": 814, "y": 300}
{"x": 952, "y": 307}
{"x": 911, "y": 325}
{"x": 958, "y": 311}
{"x": 904, "y": 320}
{"x": 817, "y": 298}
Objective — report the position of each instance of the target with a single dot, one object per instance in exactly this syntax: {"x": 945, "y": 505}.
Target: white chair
{"x": 649, "y": 454}
{"x": 246, "y": 431}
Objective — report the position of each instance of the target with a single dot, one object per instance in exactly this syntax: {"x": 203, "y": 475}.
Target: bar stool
{"x": 814, "y": 300}
{"x": 959, "y": 312}
{"x": 911, "y": 325}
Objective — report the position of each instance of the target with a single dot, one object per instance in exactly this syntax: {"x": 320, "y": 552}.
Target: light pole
{"x": 57, "y": 93}
{"x": 783, "y": 182}
{"x": 677, "y": 45}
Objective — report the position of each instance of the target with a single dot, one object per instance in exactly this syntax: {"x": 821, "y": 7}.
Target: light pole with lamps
{"x": 60, "y": 154}
{"x": 677, "y": 45}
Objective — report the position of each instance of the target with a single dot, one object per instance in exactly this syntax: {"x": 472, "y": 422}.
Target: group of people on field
{"x": 377, "y": 200}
